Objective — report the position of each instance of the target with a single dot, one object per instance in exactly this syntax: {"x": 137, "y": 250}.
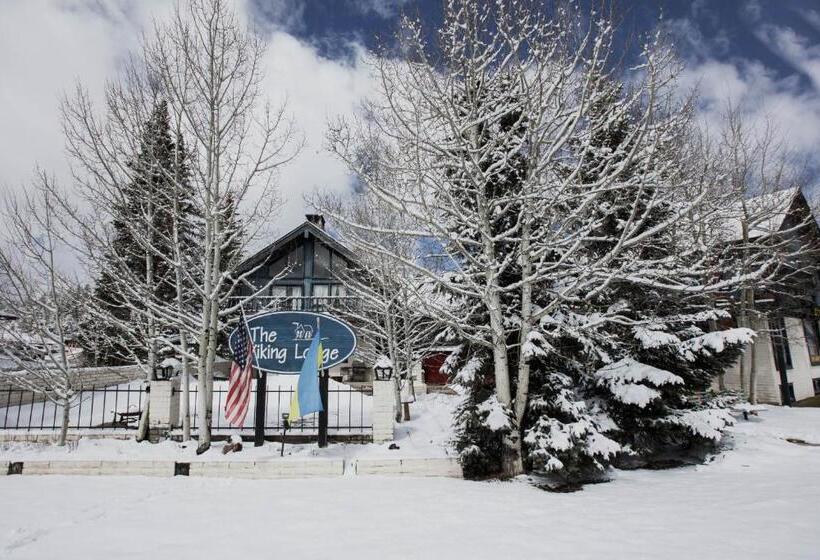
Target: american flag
{"x": 239, "y": 380}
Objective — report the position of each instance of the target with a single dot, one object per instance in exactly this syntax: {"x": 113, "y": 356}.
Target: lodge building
{"x": 304, "y": 271}
{"x": 786, "y": 319}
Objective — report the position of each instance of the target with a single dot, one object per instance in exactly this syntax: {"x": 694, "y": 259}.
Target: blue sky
{"x": 721, "y": 29}
{"x": 763, "y": 54}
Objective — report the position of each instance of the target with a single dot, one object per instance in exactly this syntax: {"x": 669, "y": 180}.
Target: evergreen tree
{"x": 649, "y": 367}
{"x": 561, "y": 433}
{"x": 142, "y": 242}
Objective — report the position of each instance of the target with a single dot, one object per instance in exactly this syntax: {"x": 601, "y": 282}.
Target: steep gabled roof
{"x": 769, "y": 211}
{"x": 261, "y": 255}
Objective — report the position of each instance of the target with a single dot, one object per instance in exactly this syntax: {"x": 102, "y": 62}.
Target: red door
{"x": 431, "y": 364}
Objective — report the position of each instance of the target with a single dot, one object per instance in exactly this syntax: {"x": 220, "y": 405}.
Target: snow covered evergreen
{"x": 569, "y": 210}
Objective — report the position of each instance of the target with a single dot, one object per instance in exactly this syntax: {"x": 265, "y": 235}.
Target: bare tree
{"x": 388, "y": 313}
{"x": 45, "y": 299}
{"x": 474, "y": 147}
{"x": 762, "y": 175}
{"x": 207, "y": 68}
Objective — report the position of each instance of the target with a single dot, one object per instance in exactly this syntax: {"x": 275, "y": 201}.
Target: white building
{"x": 783, "y": 323}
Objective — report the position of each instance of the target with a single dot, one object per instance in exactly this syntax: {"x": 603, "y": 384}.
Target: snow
{"x": 630, "y": 371}
{"x": 758, "y": 501}
{"x": 654, "y": 338}
{"x": 716, "y": 341}
{"x": 383, "y": 363}
{"x": 466, "y": 375}
{"x": 766, "y": 213}
{"x": 623, "y": 379}
{"x": 707, "y": 423}
{"x": 497, "y": 416}
{"x": 427, "y": 434}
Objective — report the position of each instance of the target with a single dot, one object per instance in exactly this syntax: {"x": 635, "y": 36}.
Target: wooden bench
{"x": 127, "y": 419}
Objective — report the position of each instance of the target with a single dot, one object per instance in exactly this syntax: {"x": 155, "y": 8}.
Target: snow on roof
{"x": 765, "y": 214}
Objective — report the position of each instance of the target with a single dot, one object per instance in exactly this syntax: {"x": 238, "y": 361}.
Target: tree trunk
{"x": 142, "y": 430}
{"x": 752, "y": 359}
{"x": 512, "y": 465}
{"x": 204, "y": 420}
{"x": 744, "y": 356}
{"x": 186, "y": 388}
{"x": 64, "y": 422}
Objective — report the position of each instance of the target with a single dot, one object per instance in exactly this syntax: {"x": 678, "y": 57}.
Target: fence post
{"x": 163, "y": 406}
{"x": 384, "y": 412}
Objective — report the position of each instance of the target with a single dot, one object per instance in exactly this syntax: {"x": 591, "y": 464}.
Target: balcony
{"x": 317, "y": 304}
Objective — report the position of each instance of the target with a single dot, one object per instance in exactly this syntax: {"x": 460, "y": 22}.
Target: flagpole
{"x": 323, "y": 392}
{"x": 261, "y": 391}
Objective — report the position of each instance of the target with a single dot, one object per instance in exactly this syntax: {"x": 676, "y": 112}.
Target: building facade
{"x": 786, "y": 318}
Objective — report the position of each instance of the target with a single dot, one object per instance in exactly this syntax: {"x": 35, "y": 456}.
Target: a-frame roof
{"x": 299, "y": 231}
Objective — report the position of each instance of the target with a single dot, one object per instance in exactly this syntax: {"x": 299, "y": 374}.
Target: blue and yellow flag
{"x": 306, "y": 398}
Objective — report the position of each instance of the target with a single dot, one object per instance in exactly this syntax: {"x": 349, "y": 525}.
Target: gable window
{"x": 292, "y": 264}
{"x": 812, "y": 340}
{"x": 321, "y": 265}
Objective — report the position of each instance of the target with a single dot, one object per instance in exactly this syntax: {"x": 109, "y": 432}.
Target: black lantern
{"x": 166, "y": 369}
{"x": 383, "y": 373}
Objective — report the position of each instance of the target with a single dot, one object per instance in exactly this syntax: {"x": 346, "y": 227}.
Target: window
{"x": 285, "y": 291}
{"x": 290, "y": 296}
{"x": 779, "y": 334}
{"x": 321, "y": 264}
{"x": 328, "y": 290}
{"x": 293, "y": 261}
{"x": 812, "y": 340}
{"x": 816, "y": 383}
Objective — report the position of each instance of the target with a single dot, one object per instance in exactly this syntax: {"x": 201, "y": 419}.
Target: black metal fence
{"x": 349, "y": 411}
{"x": 119, "y": 407}
{"x": 114, "y": 407}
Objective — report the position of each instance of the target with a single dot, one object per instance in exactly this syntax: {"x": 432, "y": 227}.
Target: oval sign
{"x": 282, "y": 338}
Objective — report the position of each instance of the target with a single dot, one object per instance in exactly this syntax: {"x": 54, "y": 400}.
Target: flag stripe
{"x": 239, "y": 379}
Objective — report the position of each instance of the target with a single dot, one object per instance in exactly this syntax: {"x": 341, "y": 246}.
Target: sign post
{"x": 323, "y": 390}
{"x": 261, "y": 406}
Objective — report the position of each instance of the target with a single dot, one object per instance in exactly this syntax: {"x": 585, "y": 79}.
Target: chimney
{"x": 317, "y": 220}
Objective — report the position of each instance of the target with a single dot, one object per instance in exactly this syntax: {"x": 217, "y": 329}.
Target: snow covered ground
{"x": 759, "y": 500}
{"x": 426, "y": 435}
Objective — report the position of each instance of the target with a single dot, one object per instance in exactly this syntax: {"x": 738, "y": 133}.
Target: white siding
{"x": 768, "y": 379}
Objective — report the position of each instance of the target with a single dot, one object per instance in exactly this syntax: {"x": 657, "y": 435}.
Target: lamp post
{"x": 285, "y": 426}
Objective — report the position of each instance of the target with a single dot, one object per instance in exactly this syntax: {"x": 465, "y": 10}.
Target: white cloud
{"x": 317, "y": 89}
{"x": 46, "y": 47}
{"x": 792, "y": 105}
{"x": 795, "y": 49}
{"x": 812, "y": 16}
{"x": 755, "y": 90}
{"x": 382, "y": 8}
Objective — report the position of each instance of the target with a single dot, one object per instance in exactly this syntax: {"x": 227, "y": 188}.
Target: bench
{"x": 127, "y": 419}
